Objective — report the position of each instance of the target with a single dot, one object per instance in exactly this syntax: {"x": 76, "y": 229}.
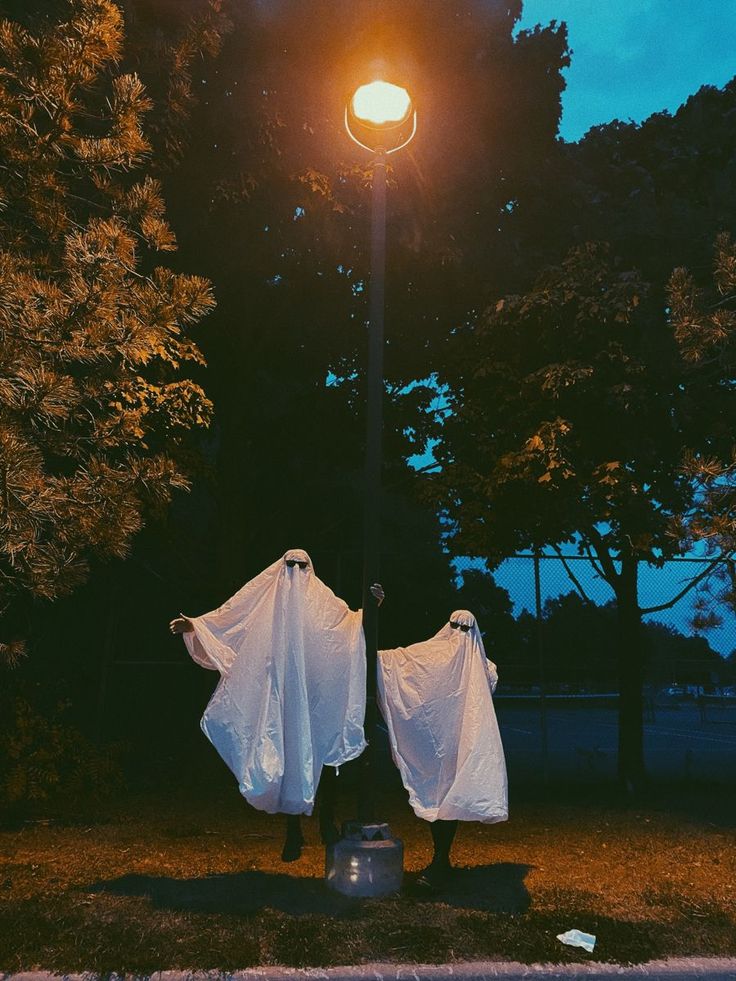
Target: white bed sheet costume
{"x": 292, "y": 690}
{"x": 436, "y": 698}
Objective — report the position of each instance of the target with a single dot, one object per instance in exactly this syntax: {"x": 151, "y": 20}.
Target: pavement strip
{"x": 676, "y": 969}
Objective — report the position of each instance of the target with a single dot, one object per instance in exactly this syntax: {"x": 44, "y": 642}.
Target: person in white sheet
{"x": 436, "y": 698}
{"x": 292, "y": 690}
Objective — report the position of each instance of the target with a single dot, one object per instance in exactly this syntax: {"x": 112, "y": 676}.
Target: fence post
{"x": 541, "y": 666}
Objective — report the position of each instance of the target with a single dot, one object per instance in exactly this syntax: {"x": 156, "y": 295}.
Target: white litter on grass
{"x": 576, "y": 938}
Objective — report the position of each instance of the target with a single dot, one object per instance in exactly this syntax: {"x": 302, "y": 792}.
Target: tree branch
{"x": 591, "y": 559}
{"x": 608, "y": 568}
{"x": 573, "y": 578}
{"x": 723, "y": 301}
{"x": 693, "y": 582}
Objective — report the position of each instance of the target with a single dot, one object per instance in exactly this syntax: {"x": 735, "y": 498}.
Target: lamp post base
{"x": 367, "y": 862}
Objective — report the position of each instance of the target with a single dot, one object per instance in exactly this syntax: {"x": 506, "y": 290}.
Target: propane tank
{"x": 367, "y": 861}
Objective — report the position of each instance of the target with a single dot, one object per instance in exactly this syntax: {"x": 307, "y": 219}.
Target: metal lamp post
{"x": 381, "y": 119}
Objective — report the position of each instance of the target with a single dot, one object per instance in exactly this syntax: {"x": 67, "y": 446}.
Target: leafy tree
{"x": 658, "y": 192}
{"x": 568, "y": 424}
{"x": 94, "y": 409}
{"x": 579, "y": 642}
{"x": 704, "y": 321}
{"x": 274, "y": 200}
{"x": 580, "y": 646}
{"x": 270, "y": 200}
{"x": 44, "y": 759}
{"x": 675, "y": 658}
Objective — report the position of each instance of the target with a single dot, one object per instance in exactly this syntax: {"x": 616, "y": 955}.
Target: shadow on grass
{"x": 495, "y": 888}
{"x": 239, "y": 892}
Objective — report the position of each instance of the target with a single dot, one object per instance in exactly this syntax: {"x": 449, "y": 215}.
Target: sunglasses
{"x": 292, "y": 562}
{"x": 465, "y": 627}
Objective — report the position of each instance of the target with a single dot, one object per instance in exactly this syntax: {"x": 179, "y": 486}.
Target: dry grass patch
{"x": 194, "y": 880}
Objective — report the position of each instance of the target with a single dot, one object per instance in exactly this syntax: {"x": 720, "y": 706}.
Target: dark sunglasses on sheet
{"x": 465, "y": 627}
{"x": 292, "y": 562}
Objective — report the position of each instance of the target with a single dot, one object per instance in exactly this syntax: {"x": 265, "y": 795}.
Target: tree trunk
{"x": 631, "y": 677}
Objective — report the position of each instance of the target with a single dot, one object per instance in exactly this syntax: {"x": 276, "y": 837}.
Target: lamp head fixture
{"x": 379, "y": 115}
{"x": 381, "y": 104}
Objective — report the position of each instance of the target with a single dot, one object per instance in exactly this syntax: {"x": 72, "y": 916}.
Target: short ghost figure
{"x": 292, "y": 690}
{"x": 436, "y": 698}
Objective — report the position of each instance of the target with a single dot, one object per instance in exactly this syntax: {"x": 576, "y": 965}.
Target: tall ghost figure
{"x": 292, "y": 689}
{"x": 436, "y": 698}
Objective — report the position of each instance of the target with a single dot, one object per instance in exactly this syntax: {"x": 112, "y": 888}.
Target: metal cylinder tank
{"x": 366, "y": 862}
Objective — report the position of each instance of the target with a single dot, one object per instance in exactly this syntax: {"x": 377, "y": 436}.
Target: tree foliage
{"x": 571, "y": 409}
{"x": 94, "y": 407}
{"x": 704, "y": 323}
{"x": 274, "y": 200}
{"x": 44, "y": 759}
{"x": 579, "y": 650}
{"x": 562, "y": 426}
{"x": 658, "y": 192}
{"x": 166, "y": 43}
{"x": 577, "y": 409}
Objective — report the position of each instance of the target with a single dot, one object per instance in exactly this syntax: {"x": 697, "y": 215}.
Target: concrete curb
{"x": 678, "y": 969}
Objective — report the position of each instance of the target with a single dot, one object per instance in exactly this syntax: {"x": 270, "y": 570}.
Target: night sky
{"x": 632, "y": 58}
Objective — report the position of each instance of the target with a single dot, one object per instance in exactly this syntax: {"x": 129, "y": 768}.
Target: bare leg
{"x": 294, "y": 841}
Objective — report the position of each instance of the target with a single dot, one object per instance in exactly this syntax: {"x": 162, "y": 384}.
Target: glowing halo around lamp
{"x": 381, "y": 103}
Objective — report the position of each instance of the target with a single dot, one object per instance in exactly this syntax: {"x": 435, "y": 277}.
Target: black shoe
{"x": 292, "y": 849}
{"x": 433, "y": 878}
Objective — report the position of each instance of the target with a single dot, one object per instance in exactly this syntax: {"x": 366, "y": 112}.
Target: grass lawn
{"x": 193, "y": 879}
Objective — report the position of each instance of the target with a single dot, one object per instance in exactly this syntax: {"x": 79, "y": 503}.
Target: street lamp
{"x": 380, "y": 118}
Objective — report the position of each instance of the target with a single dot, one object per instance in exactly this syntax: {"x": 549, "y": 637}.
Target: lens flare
{"x": 380, "y": 103}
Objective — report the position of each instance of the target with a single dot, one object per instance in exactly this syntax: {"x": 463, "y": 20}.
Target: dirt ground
{"x": 193, "y": 879}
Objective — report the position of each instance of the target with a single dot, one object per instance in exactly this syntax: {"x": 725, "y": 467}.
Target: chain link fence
{"x": 548, "y": 623}
{"x": 552, "y": 620}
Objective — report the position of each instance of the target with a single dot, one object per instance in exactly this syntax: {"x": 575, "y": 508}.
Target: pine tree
{"x": 94, "y": 410}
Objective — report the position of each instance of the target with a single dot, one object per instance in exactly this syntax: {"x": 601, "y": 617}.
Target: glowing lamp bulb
{"x": 379, "y": 103}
